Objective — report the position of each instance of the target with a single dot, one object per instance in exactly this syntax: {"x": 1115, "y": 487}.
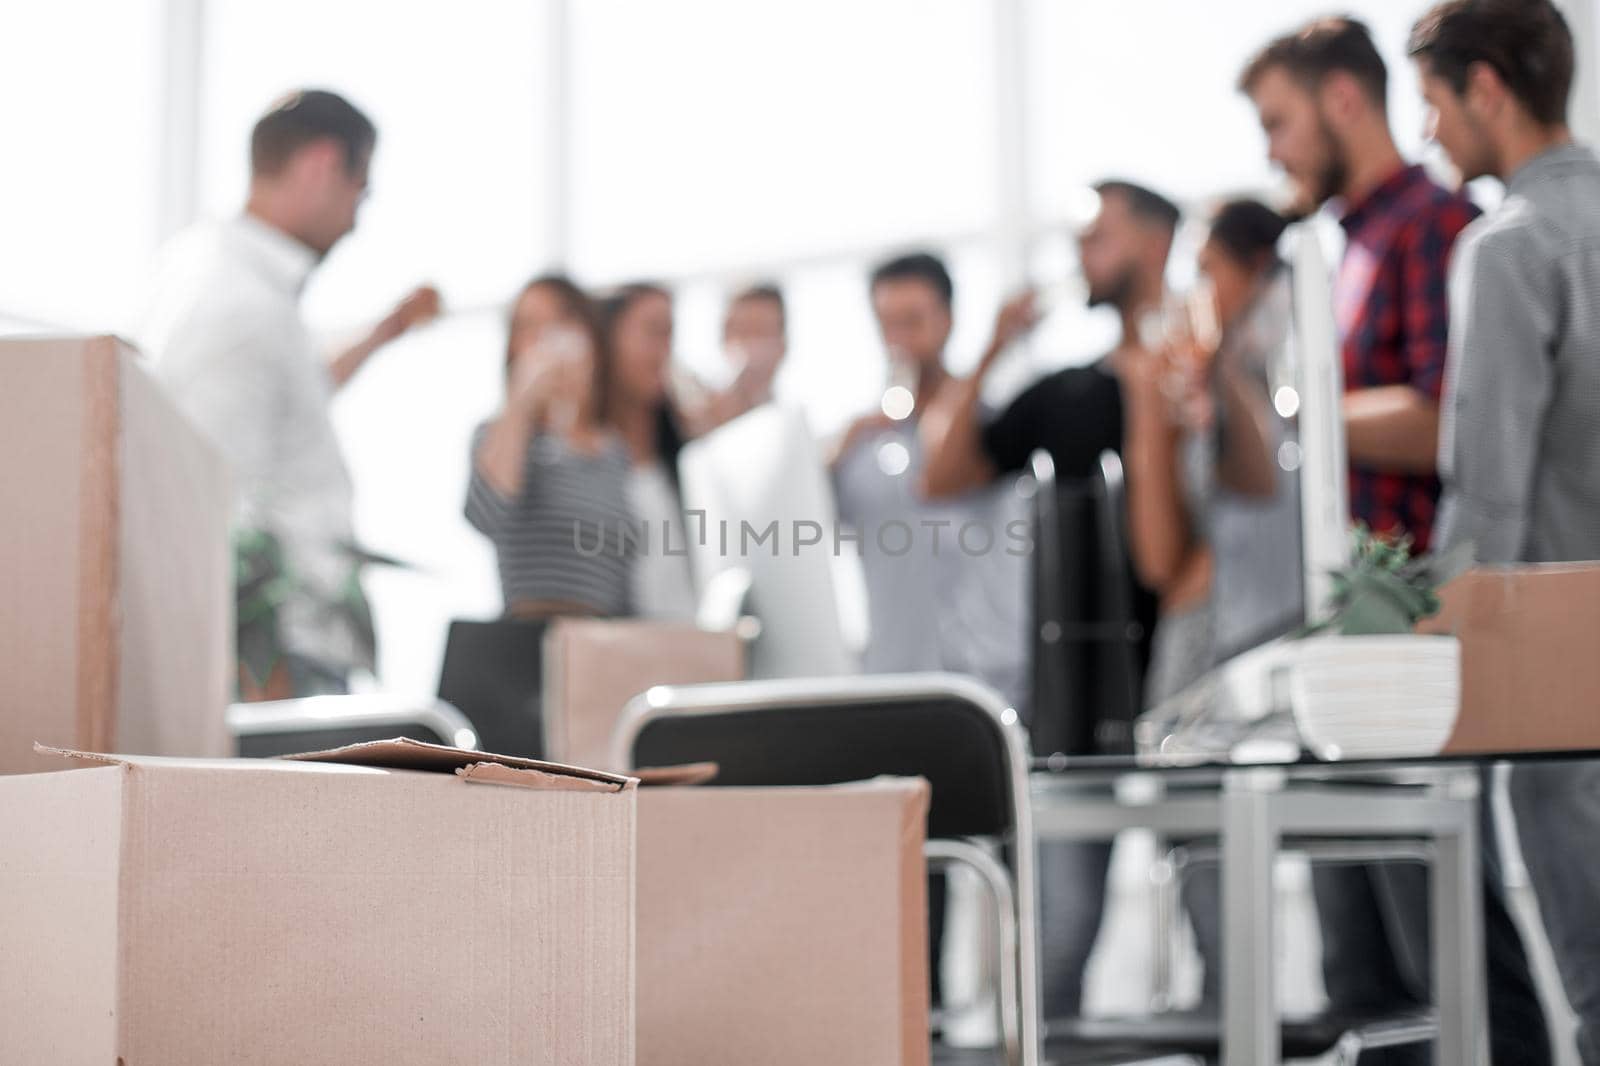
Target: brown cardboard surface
{"x": 115, "y": 575}
{"x": 492, "y": 773}
{"x": 403, "y": 753}
{"x": 593, "y": 667}
{"x": 42, "y": 462}
{"x": 99, "y": 554}
{"x": 783, "y": 925}
{"x": 175, "y": 581}
{"x": 1530, "y": 657}
{"x": 264, "y": 911}
{"x": 693, "y": 773}
{"x": 60, "y": 856}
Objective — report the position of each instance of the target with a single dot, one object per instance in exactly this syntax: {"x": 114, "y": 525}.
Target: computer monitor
{"x": 757, "y": 497}
{"x": 1273, "y": 575}
{"x": 1324, "y": 487}
{"x": 1234, "y": 704}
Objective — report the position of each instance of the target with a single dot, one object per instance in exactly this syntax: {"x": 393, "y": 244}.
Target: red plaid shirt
{"x": 1391, "y": 302}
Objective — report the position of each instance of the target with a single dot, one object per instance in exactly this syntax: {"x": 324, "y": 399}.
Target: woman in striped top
{"x": 550, "y": 478}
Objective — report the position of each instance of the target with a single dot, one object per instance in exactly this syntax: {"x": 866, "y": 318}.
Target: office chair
{"x": 493, "y": 672}
{"x": 950, "y": 730}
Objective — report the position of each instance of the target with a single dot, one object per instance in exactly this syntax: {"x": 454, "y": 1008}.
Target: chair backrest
{"x": 493, "y": 672}
{"x": 951, "y": 730}
{"x": 318, "y": 723}
{"x": 1091, "y": 620}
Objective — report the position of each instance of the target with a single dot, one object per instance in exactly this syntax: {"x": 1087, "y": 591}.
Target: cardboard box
{"x": 592, "y": 668}
{"x": 783, "y": 925}
{"x": 1530, "y": 657}
{"x": 398, "y": 906}
{"x": 116, "y": 575}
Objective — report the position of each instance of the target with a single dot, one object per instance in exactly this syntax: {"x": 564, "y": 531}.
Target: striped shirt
{"x": 1519, "y": 443}
{"x": 567, "y": 537}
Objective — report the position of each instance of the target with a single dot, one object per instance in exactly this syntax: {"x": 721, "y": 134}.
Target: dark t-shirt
{"x": 1074, "y": 414}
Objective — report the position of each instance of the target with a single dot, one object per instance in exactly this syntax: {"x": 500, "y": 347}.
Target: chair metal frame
{"x": 376, "y": 710}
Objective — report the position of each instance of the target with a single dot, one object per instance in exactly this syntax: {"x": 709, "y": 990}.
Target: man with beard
{"x": 1074, "y": 414}
{"x": 1521, "y": 430}
{"x": 1321, "y": 96}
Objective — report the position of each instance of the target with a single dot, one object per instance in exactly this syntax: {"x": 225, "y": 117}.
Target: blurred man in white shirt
{"x": 225, "y": 332}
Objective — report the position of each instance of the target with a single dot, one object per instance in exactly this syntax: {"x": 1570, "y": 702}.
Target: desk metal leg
{"x": 1458, "y": 950}
{"x": 1250, "y": 1035}
{"x": 1252, "y": 814}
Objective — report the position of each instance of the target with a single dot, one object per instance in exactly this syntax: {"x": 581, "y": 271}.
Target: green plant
{"x": 264, "y": 583}
{"x": 261, "y": 585}
{"x": 1385, "y": 589}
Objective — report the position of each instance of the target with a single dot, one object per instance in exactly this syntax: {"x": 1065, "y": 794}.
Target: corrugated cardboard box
{"x": 116, "y": 579}
{"x": 399, "y": 906}
{"x": 783, "y": 925}
{"x": 1530, "y": 657}
{"x": 593, "y": 667}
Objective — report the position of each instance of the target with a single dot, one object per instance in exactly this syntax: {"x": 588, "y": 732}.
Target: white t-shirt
{"x": 663, "y": 586}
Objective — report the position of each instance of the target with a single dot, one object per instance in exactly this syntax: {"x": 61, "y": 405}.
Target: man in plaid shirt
{"x": 1334, "y": 143}
{"x": 1390, "y": 301}
{"x": 1321, "y": 97}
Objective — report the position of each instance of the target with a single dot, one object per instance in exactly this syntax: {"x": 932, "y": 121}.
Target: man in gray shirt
{"x": 947, "y": 581}
{"x": 1520, "y": 436}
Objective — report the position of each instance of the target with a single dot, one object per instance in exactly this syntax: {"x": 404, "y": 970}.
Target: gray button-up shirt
{"x": 1519, "y": 445}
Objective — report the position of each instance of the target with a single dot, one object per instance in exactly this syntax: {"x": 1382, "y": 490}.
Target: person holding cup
{"x": 755, "y": 341}
{"x": 1201, "y": 441}
{"x": 549, "y": 482}
{"x": 1212, "y": 510}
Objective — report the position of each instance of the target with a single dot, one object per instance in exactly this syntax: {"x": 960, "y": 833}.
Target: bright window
{"x": 458, "y": 184}
{"x": 829, "y": 125}
{"x": 1145, "y": 89}
{"x": 81, "y": 125}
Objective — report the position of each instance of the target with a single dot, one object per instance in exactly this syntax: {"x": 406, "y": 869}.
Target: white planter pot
{"x": 1376, "y": 697}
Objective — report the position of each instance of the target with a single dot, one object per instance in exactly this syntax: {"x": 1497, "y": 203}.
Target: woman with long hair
{"x": 550, "y": 475}
{"x": 636, "y": 323}
{"x": 1201, "y": 446}
{"x": 1213, "y": 519}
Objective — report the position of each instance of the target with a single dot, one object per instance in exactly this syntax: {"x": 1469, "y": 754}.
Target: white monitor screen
{"x": 758, "y": 499}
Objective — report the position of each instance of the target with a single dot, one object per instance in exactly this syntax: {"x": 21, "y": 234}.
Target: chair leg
{"x": 997, "y": 884}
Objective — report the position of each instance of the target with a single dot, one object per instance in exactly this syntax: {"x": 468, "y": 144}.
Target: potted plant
{"x": 1362, "y": 683}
